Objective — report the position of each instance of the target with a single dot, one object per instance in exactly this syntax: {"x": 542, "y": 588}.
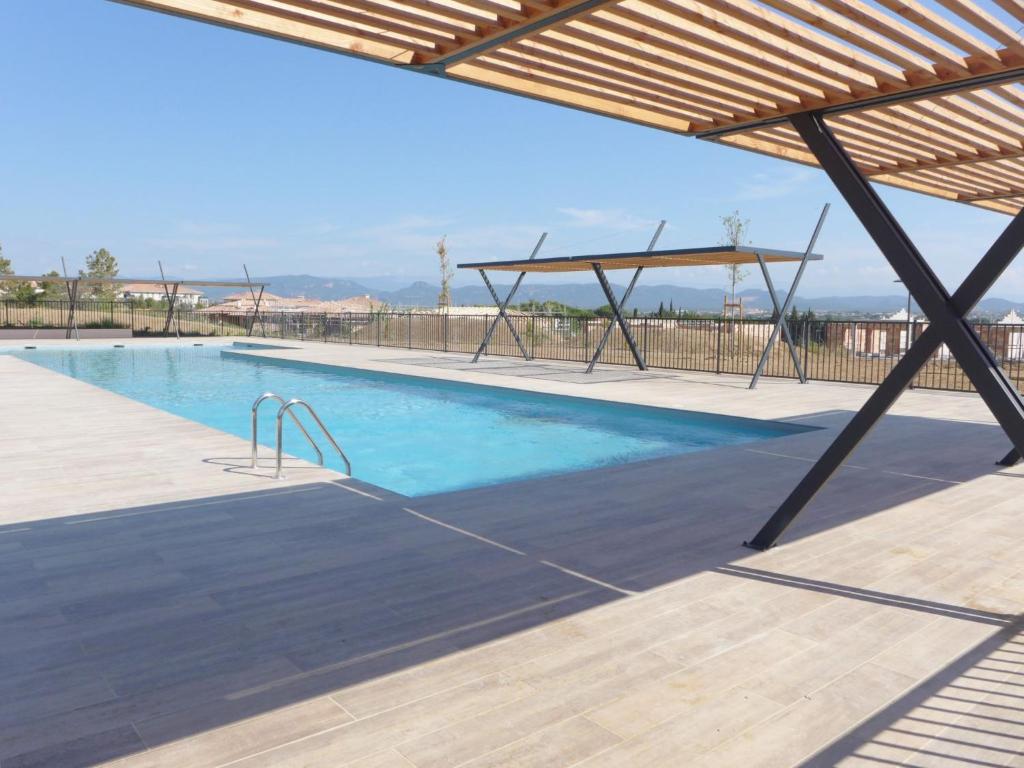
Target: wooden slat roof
{"x": 925, "y": 94}
{"x": 715, "y": 255}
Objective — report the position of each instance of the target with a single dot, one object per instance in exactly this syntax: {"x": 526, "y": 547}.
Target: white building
{"x": 187, "y": 297}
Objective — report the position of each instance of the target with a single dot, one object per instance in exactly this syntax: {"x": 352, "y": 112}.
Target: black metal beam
{"x": 503, "y": 305}
{"x": 610, "y": 295}
{"x": 171, "y": 298}
{"x": 910, "y": 266}
{"x": 502, "y": 315}
{"x": 946, "y": 313}
{"x": 512, "y": 33}
{"x": 622, "y": 303}
{"x": 1010, "y": 459}
{"x": 897, "y": 97}
{"x": 782, "y": 324}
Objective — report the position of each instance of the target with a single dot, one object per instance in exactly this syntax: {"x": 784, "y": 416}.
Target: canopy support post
{"x": 617, "y": 312}
{"x": 503, "y": 305}
{"x": 783, "y": 324}
{"x": 1010, "y": 459}
{"x": 171, "y": 298}
{"x": 947, "y": 316}
{"x": 72, "y": 289}
{"x": 625, "y": 297}
{"x": 255, "y": 306}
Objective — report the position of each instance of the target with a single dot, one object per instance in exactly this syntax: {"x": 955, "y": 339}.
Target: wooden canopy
{"x": 924, "y": 94}
{"x": 688, "y": 257}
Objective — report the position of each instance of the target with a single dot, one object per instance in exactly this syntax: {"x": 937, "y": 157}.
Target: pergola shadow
{"x": 967, "y": 714}
{"x": 138, "y": 627}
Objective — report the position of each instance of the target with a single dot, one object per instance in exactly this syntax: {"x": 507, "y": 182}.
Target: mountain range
{"x": 645, "y": 298}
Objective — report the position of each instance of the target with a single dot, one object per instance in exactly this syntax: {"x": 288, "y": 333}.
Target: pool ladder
{"x": 286, "y": 408}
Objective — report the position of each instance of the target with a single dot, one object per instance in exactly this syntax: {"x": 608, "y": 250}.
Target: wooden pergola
{"x": 925, "y": 97}
{"x": 727, "y": 70}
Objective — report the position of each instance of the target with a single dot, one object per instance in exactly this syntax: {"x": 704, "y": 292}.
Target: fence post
{"x": 718, "y": 348}
{"x": 408, "y": 339}
{"x": 910, "y": 340}
{"x": 807, "y": 355}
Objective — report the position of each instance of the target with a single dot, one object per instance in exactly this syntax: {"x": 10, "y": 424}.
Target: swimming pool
{"x": 411, "y": 435}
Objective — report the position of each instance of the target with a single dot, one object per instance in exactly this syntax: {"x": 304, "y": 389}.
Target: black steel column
{"x": 783, "y": 324}
{"x": 947, "y": 314}
{"x": 502, "y": 315}
{"x": 610, "y": 295}
{"x": 503, "y": 305}
{"x": 625, "y": 297}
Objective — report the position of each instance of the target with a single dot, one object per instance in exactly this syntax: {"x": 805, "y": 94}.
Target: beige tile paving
{"x": 159, "y": 610}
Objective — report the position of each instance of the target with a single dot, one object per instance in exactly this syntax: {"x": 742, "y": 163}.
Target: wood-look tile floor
{"x": 158, "y": 610}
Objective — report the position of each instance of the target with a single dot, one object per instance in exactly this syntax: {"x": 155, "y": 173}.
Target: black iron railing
{"x": 859, "y": 352}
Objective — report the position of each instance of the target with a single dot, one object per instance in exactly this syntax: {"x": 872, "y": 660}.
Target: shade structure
{"x": 640, "y": 260}
{"x": 717, "y": 255}
{"x": 924, "y": 96}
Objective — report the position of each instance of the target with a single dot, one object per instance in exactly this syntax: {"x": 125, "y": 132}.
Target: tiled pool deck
{"x": 164, "y": 606}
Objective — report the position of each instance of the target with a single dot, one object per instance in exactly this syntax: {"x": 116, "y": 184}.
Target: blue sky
{"x": 160, "y": 138}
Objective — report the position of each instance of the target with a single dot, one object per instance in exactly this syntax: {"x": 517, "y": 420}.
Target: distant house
{"x": 1005, "y": 338}
{"x": 873, "y": 338}
{"x": 243, "y": 304}
{"x": 187, "y": 297}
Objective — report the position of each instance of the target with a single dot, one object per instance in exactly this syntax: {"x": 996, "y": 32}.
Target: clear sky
{"x": 160, "y": 138}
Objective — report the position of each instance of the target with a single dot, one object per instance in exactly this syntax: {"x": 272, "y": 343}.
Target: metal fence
{"x": 860, "y": 352}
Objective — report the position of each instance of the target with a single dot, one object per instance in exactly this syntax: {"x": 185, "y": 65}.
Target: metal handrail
{"x": 286, "y": 408}
{"x": 255, "y": 409}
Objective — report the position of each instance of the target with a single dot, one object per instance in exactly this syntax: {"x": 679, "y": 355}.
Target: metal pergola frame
{"x": 640, "y": 260}
{"x": 503, "y": 306}
{"x": 618, "y": 307}
{"x": 947, "y": 315}
{"x": 170, "y": 287}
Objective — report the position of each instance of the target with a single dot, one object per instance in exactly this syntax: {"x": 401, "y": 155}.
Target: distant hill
{"x": 645, "y": 298}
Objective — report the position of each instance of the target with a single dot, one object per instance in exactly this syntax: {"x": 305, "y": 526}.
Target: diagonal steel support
{"x": 1011, "y": 459}
{"x": 625, "y": 297}
{"x": 255, "y": 306}
{"x": 946, "y": 313}
{"x": 72, "y": 289}
{"x": 783, "y": 324}
{"x": 172, "y": 297}
{"x": 616, "y": 310}
{"x": 503, "y": 306}
{"x": 170, "y": 303}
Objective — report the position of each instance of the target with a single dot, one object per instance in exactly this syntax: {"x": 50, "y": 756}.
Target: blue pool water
{"x": 411, "y": 435}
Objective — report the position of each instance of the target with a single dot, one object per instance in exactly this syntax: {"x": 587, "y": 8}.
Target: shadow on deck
{"x": 136, "y": 627}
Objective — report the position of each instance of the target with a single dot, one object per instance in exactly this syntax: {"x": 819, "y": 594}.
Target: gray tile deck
{"x": 159, "y": 610}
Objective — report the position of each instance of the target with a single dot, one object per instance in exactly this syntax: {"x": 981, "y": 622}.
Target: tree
{"x": 444, "y": 299}
{"x": 661, "y": 309}
{"x": 734, "y": 233}
{"x": 101, "y": 264}
{"x": 52, "y": 289}
{"x": 5, "y": 269}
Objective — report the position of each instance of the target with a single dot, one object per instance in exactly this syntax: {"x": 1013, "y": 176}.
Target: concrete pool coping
{"x": 608, "y": 620}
